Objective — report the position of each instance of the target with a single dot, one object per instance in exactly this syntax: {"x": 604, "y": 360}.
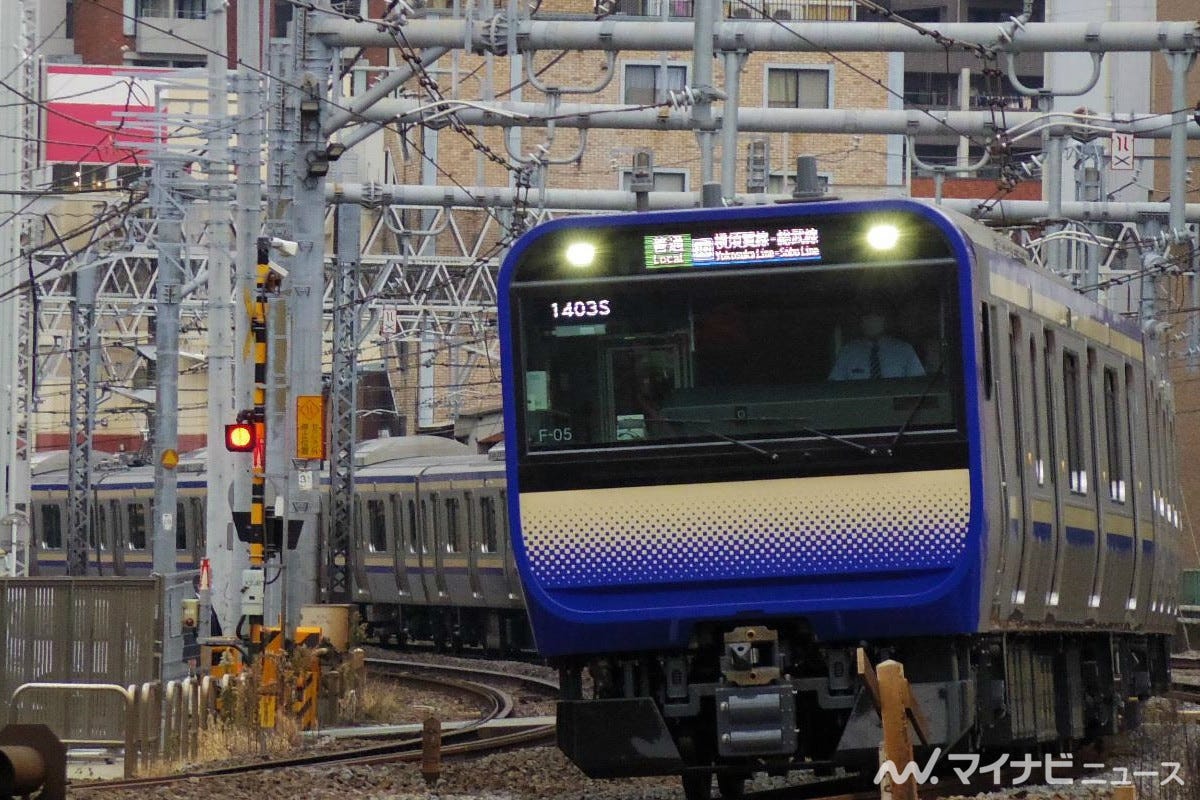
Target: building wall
{"x": 1185, "y": 370}
{"x": 99, "y": 34}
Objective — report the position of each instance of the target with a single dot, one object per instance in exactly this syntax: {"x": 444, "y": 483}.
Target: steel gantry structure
{"x": 390, "y": 281}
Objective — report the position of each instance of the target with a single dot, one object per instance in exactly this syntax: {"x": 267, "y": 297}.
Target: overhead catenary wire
{"x": 304, "y": 4}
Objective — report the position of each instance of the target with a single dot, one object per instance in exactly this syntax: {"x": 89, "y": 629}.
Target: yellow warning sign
{"x": 310, "y": 426}
{"x": 170, "y": 459}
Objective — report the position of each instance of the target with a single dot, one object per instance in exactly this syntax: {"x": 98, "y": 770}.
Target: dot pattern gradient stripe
{"x": 745, "y": 530}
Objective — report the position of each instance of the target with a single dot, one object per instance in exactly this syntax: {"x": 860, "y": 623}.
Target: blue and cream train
{"x": 432, "y": 559}
{"x": 709, "y": 517}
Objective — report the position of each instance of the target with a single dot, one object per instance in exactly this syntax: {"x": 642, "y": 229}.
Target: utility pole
{"x": 168, "y": 171}
{"x": 225, "y": 556}
{"x": 11, "y": 178}
{"x": 706, "y": 12}
{"x": 1181, "y": 246}
{"x": 303, "y": 437}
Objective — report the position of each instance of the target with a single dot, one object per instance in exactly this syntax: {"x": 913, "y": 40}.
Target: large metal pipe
{"x": 32, "y": 760}
{"x": 22, "y": 770}
{"x": 812, "y": 37}
{"x": 948, "y": 125}
{"x": 1010, "y": 211}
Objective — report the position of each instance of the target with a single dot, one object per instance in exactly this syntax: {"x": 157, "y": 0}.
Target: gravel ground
{"x": 534, "y": 774}
{"x": 545, "y": 774}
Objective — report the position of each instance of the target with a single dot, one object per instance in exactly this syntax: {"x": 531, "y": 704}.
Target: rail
{"x": 397, "y": 749}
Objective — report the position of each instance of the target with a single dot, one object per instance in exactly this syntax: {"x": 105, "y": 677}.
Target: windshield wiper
{"x": 700, "y": 426}
{"x": 916, "y": 407}
{"x": 833, "y": 437}
{"x": 859, "y": 446}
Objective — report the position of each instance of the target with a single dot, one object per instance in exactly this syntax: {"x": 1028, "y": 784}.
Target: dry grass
{"x": 233, "y": 733}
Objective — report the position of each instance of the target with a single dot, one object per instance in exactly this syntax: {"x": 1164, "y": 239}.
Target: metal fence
{"x": 81, "y": 630}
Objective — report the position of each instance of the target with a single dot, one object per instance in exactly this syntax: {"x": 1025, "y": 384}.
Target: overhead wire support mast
{"x": 301, "y": 445}
{"x": 168, "y": 209}
{"x": 338, "y": 552}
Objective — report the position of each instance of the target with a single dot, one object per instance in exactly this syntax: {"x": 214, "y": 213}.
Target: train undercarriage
{"x": 500, "y": 632}
{"x": 770, "y": 699}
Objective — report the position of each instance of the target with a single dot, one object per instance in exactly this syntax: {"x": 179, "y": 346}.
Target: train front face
{"x": 741, "y": 420}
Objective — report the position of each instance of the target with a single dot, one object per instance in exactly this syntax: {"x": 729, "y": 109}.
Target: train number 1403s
{"x": 581, "y": 308}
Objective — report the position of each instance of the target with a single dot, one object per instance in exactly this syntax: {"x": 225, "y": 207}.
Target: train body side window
{"x": 1014, "y": 378}
{"x": 199, "y": 525}
{"x": 414, "y": 536}
{"x": 1048, "y": 397}
{"x": 1112, "y": 430}
{"x": 1076, "y": 468}
{"x": 377, "y": 530}
{"x": 1159, "y": 478}
{"x": 1039, "y": 459}
{"x": 137, "y": 525}
{"x": 99, "y": 531}
{"x": 427, "y": 523}
{"x": 452, "y": 525}
{"x": 985, "y": 313}
{"x": 52, "y": 527}
{"x": 181, "y": 527}
{"x": 489, "y": 542}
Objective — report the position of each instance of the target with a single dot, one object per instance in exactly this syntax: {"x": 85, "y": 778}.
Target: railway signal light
{"x": 240, "y": 437}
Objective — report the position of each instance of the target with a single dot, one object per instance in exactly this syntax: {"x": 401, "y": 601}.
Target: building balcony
{"x": 170, "y": 27}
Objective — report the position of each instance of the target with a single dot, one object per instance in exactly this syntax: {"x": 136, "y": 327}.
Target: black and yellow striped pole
{"x": 249, "y": 435}
{"x": 258, "y": 414}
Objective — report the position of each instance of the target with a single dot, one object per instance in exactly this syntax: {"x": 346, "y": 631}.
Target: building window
{"x": 669, "y": 180}
{"x": 70, "y": 177}
{"x": 168, "y": 9}
{"x": 647, "y": 8}
{"x": 154, "y": 8}
{"x": 798, "y": 87}
{"x": 190, "y": 9}
{"x": 647, "y": 84}
{"x": 128, "y": 175}
{"x": 995, "y": 13}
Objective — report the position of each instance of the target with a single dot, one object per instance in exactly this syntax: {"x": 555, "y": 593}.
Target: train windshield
{"x": 838, "y": 352}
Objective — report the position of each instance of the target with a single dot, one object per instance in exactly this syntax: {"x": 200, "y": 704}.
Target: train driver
{"x": 874, "y": 354}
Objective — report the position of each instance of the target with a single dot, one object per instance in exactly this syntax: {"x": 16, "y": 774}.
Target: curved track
{"x": 1185, "y": 678}
{"x": 462, "y": 741}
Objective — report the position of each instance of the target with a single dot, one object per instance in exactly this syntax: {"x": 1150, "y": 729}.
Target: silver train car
{"x": 432, "y": 560}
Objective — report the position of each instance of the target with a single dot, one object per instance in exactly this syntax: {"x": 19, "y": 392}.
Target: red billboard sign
{"x": 88, "y": 112}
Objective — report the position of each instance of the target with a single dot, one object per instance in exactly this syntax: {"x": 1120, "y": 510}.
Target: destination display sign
{"x": 728, "y": 248}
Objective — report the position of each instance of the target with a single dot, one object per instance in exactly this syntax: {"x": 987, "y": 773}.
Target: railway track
{"x": 462, "y": 741}
{"x": 1185, "y": 678}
